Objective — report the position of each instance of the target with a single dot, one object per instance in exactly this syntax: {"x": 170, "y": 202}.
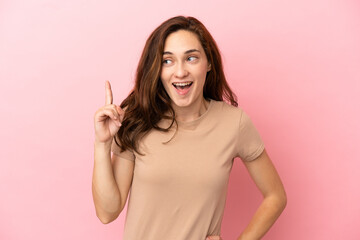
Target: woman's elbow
{"x": 278, "y": 200}
{"x": 282, "y": 200}
{"x": 106, "y": 218}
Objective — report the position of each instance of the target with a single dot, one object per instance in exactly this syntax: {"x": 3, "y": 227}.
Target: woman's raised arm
{"x": 107, "y": 196}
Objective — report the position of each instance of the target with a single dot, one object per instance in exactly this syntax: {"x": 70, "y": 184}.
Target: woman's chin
{"x": 185, "y": 102}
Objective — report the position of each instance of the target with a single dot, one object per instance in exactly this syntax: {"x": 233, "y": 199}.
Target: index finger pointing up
{"x": 108, "y": 93}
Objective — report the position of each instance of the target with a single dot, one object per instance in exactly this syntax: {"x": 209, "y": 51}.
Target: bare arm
{"x": 111, "y": 177}
{"x": 266, "y": 178}
{"x": 111, "y": 182}
{"x": 106, "y": 194}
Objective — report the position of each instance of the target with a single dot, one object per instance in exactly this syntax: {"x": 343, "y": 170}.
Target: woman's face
{"x": 184, "y": 68}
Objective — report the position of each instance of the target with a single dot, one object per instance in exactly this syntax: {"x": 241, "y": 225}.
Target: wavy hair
{"x": 148, "y": 102}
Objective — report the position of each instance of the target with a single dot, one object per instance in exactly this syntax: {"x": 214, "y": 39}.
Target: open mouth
{"x": 182, "y": 85}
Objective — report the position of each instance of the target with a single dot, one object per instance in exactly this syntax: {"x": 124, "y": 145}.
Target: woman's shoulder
{"x": 226, "y": 109}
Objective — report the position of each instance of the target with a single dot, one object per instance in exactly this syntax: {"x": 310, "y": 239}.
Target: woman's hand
{"x": 107, "y": 119}
{"x": 213, "y": 238}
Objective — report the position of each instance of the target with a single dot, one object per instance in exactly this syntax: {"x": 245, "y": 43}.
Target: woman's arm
{"x": 111, "y": 182}
{"x": 111, "y": 177}
{"x": 266, "y": 178}
{"x": 106, "y": 195}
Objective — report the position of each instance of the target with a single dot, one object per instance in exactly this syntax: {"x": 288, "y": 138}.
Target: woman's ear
{"x": 209, "y": 67}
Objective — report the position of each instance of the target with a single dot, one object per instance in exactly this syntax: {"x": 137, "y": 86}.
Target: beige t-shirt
{"x": 179, "y": 188}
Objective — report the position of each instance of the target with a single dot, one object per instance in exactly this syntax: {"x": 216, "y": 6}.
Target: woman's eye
{"x": 192, "y": 58}
{"x": 166, "y": 61}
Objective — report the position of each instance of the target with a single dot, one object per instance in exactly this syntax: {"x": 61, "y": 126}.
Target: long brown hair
{"x": 148, "y": 101}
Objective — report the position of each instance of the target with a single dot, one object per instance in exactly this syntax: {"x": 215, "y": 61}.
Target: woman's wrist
{"x": 102, "y": 144}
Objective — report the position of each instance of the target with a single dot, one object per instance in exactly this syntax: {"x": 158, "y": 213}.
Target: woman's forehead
{"x": 181, "y": 41}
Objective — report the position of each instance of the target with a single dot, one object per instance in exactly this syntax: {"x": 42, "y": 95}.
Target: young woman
{"x": 174, "y": 140}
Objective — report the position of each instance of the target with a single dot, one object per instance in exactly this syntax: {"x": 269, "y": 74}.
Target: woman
{"x": 174, "y": 139}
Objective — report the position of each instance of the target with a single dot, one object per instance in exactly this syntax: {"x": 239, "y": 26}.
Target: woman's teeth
{"x": 182, "y": 85}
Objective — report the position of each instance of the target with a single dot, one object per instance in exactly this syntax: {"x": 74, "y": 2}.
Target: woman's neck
{"x": 192, "y": 112}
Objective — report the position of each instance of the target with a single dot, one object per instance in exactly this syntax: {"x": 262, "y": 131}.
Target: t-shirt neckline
{"x": 189, "y": 125}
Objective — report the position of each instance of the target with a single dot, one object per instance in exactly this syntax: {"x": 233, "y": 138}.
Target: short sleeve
{"x": 249, "y": 144}
{"x": 127, "y": 154}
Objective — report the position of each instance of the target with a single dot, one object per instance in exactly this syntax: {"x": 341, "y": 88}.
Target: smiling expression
{"x": 184, "y": 68}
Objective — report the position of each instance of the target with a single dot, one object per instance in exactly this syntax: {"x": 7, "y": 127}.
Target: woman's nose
{"x": 181, "y": 71}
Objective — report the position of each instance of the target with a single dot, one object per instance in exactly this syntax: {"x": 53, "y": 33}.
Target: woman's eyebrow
{"x": 186, "y": 52}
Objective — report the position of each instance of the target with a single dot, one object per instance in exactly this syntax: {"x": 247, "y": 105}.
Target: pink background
{"x": 295, "y": 66}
